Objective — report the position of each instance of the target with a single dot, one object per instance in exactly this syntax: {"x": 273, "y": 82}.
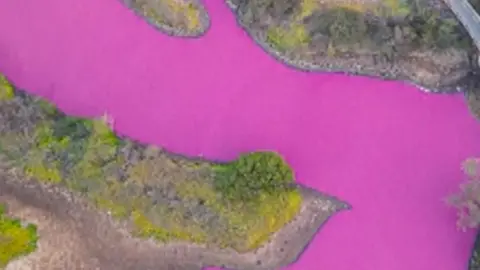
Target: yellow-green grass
{"x": 295, "y": 35}
{"x": 383, "y": 8}
{"x": 16, "y": 240}
{"x": 285, "y": 39}
{"x": 188, "y": 12}
{"x": 89, "y": 165}
{"x": 251, "y": 224}
{"x": 6, "y": 89}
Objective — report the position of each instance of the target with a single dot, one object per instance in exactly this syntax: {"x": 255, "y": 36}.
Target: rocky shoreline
{"x": 107, "y": 243}
{"x": 443, "y": 71}
{"x": 434, "y": 71}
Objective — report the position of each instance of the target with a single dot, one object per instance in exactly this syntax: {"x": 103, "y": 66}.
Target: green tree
{"x": 252, "y": 174}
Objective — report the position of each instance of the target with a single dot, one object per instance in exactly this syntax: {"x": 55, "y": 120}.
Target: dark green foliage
{"x": 423, "y": 27}
{"x": 343, "y": 25}
{"x": 253, "y": 174}
{"x": 256, "y": 11}
{"x": 431, "y": 30}
{"x": 72, "y": 127}
{"x": 46, "y": 107}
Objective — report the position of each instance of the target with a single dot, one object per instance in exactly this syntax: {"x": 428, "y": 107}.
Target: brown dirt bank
{"x": 73, "y": 235}
{"x": 420, "y": 41}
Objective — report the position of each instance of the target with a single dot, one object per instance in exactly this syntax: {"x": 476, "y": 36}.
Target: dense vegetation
{"x": 253, "y": 174}
{"x": 391, "y": 26}
{"x": 16, "y": 239}
{"x": 237, "y": 204}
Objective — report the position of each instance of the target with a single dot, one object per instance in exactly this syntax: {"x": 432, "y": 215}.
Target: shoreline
{"x": 386, "y": 72}
{"x": 174, "y": 31}
{"x": 68, "y": 207}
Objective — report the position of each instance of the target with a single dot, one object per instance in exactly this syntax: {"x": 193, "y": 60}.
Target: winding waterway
{"x": 390, "y": 150}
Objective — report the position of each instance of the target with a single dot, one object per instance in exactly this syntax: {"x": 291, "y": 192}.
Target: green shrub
{"x": 436, "y": 32}
{"x": 347, "y": 26}
{"x": 71, "y": 127}
{"x": 287, "y": 39}
{"x": 342, "y": 25}
{"x": 43, "y": 160}
{"x": 7, "y": 91}
{"x": 15, "y": 239}
{"x": 253, "y": 174}
{"x": 48, "y": 108}
{"x": 99, "y": 150}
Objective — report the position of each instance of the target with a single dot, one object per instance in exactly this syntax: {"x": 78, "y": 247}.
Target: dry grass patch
{"x": 178, "y": 14}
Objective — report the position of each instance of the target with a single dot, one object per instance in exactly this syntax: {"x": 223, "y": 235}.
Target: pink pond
{"x": 388, "y": 149}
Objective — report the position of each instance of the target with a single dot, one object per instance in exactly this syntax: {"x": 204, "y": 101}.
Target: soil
{"x": 72, "y": 234}
{"x": 75, "y": 235}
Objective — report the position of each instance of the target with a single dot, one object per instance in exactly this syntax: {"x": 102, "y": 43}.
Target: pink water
{"x": 388, "y": 149}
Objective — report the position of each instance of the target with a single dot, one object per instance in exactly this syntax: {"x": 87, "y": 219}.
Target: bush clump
{"x": 343, "y": 26}
{"x": 7, "y": 91}
{"x": 286, "y": 39}
{"x": 253, "y": 174}
{"x": 15, "y": 239}
{"x": 433, "y": 31}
